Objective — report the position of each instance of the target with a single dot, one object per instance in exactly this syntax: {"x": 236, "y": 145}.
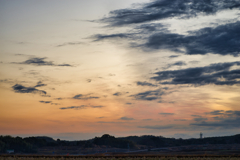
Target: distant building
{"x": 201, "y": 135}
{"x": 10, "y": 151}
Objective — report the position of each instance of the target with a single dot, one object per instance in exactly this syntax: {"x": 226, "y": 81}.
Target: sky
{"x": 78, "y": 69}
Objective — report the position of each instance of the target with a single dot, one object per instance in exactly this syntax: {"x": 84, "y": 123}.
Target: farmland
{"x": 120, "y": 158}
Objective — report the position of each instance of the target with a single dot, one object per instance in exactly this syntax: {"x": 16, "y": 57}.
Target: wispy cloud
{"x": 18, "y": 88}
{"x": 166, "y": 114}
{"x": 84, "y": 97}
{"x": 216, "y": 112}
{"x": 74, "y": 107}
{"x": 145, "y": 84}
{"x": 100, "y": 37}
{"x": 59, "y": 98}
{"x": 180, "y": 120}
{"x": 97, "y": 106}
{"x": 200, "y": 119}
{"x": 158, "y": 127}
{"x": 126, "y": 118}
{"x": 69, "y": 44}
{"x": 6, "y": 81}
{"x": 149, "y": 95}
{"x": 81, "y": 107}
{"x": 41, "y": 62}
{"x": 173, "y": 56}
{"x": 40, "y": 84}
{"x": 109, "y": 122}
{"x": 45, "y": 102}
{"x": 178, "y": 63}
{"x": 117, "y": 94}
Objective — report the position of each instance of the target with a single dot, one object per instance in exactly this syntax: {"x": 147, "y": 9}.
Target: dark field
{"x": 201, "y": 155}
{"x": 207, "y": 157}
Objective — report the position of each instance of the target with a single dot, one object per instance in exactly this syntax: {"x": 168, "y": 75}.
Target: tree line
{"x": 32, "y": 144}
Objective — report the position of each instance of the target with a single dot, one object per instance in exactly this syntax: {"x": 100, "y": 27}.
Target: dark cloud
{"x": 69, "y": 43}
{"x": 173, "y": 56}
{"x": 45, "y": 102}
{"x": 126, "y": 118}
{"x": 40, "y": 84}
{"x": 41, "y": 62}
{"x": 149, "y": 95}
{"x": 97, "y": 106}
{"x": 225, "y": 120}
{"x": 46, "y": 95}
{"x": 74, "y": 107}
{"x": 162, "y": 9}
{"x": 158, "y": 127}
{"x": 218, "y": 118}
{"x": 216, "y": 112}
{"x": 196, "y": 115}
{"x": 108, "y": 122}
{"x": 145, "y": 84}
{"x": 224, "y": 124}
{"x": 167, "y": 114}
{"x": 100, "y": 37}
{"x": 138, "y": 33}
{"x": 81, "y": 107}
{"x": 101, "y": 117}
{"x": 59, "y": 98}
{"x": 218, "y": 74}
{"x": 150, "y": 28}
{"x": 84, "y": 97}
{"x": 129, "y": 103}
{"x": 161, "y": 101}
{"x": 18, "y": 88}
{"x": 67, "y": 65}
{"x": 232, "y": 113}
{"x": 55, "y": 104}
{"x": 200, "y": 119}
{"x": 235, "y": 6}
{"x": 223, "y": 40}
{"x": 179, "y": 63}
{"x": 224, "y": 113}
{"x": 117, "y": 94}
{"x": 89, "y": 80}
{"x": 180, "y": 120}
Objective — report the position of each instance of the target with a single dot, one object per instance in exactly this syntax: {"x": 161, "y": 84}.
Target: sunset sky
{"x": 76, "y": 69}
